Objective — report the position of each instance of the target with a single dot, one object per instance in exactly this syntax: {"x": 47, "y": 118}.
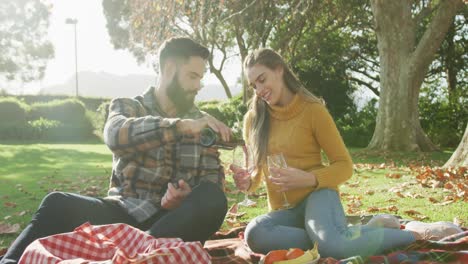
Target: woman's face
{"x": 268, "y": 84}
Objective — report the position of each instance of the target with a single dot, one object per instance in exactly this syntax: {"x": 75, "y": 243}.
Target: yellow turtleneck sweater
{"x": 300, "y": 130}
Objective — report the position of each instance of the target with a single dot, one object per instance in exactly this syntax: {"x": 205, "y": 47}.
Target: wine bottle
{"x": 209, "y": 138}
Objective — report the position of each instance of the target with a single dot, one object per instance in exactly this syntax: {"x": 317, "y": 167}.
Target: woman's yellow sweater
{"x": 300, "y": 130}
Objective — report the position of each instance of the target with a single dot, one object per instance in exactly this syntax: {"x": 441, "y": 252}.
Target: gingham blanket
{"x": 115, "y": 243}
{"x": 229, "y": 248}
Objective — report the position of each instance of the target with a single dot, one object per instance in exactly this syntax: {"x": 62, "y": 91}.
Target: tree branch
{"x": 361, "y": 82}
{"x": 434, "y": 34}
{"x": 374, "y": 78}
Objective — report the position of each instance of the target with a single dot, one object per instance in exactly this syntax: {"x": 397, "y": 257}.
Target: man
{"x": 163, "y": 180}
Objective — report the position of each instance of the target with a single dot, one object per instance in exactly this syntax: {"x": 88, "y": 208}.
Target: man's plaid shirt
{"x": 149, "y": 152}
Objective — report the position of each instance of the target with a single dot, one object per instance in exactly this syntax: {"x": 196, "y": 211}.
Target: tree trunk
{"x": 243, "y": 54}
{"x": 450, "y": 63}
{"x": 403, "y": 65}
{"x": 220, "y": 77}
{"x": 460, "y": 156}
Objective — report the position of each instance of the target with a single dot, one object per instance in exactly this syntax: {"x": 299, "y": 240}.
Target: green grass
{"x": 28, "y": 172}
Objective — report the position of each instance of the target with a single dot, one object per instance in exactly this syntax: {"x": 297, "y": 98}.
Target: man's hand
{"x": 174, "y": 196}
{"x": 195, "y": 126}
{"x": 241, "y": 177}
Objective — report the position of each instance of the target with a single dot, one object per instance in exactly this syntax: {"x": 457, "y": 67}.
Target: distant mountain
{"x": 102, "y": 84}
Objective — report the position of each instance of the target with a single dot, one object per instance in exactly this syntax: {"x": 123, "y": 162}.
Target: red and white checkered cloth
{"x": 115, "y": 243}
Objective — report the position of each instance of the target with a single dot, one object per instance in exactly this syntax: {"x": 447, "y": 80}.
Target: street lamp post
{"x": 74, "y": 22}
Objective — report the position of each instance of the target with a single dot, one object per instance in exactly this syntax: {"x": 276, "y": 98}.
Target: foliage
{"x": 13, "y": 118}
{"x": 99, "y": 118}
{"x": 230, "y": 112}
{"x": 444, "y": 121}
{"x": 356, "y": 127}
{"x": 24, "y": 45}
{"x": 75, "y": 124}
{"x": 141, "y": 27}
{"x": 13, "y": 110}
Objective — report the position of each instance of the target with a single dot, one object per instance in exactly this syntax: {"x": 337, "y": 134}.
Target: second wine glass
{"x": 278, "y": 161}
{"x": 244, "y": 161}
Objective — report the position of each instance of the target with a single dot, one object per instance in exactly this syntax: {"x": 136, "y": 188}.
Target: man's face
{"x": 186, "y": 84}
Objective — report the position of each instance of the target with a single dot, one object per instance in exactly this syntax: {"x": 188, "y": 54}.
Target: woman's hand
{"x": 291, "y": 178}
{"x": 241, "y": 177}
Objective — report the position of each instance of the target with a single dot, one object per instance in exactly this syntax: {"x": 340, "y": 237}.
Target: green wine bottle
{"x": 209, "y": 138}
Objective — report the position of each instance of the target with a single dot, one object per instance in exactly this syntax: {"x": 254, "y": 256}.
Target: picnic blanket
{"x": 229, "y": 248}
{"x": 115, "y": 243}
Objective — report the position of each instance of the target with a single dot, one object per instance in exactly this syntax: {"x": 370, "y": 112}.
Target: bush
{"x": 13, "y": 119}
{"x": 99, "y": 118}
{"x": 442, "y": 120}
{"x": 229, "y": 112}
{"x": 357, "y": 127}
{"x": 73, "y": 121}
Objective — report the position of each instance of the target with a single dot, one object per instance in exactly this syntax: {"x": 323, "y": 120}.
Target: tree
{"x": 404, "y": 61}
{"x": 141, "y": 26}
{"x": 24, "y": 46}
{"x": 460, "y": 157}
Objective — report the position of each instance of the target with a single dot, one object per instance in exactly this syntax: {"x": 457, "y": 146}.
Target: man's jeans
{"x": 196, "y": 219}
{"x": 320, "y": 217}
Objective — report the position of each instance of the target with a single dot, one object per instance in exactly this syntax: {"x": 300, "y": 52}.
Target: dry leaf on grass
{"x": 393, "y": 175}
{"x": 9, "y": 229}
{"x": 22, "y": 213}
{"x": 233, "y": 209}
{"x": 9, "y": 204}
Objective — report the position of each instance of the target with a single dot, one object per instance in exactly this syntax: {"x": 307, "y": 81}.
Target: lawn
{"x": 382, "y": 183}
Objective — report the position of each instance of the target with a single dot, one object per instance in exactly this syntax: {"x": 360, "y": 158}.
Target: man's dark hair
{"x": 181, "y": 48}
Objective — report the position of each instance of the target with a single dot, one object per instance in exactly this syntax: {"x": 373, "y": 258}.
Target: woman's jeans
{"x": 196, "y": 219}
{"x": 320, "y": 218}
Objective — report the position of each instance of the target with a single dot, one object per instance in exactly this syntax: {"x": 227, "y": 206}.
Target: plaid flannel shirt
{"x": 149, "y": 152}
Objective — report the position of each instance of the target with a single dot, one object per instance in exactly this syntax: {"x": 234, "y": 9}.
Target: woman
{"x": 285, "y": 118}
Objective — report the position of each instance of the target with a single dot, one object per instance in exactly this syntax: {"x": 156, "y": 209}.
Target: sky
{"x": 95, "y": 51}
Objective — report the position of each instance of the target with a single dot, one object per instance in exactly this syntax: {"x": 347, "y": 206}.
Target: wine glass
{"x": 244, "y": 161}
{"x": 278, "y": 161}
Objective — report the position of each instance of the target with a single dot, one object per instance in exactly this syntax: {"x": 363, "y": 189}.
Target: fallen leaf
{"x": 232, "y": 223}
{"x": 263, "y": 194}
{"x": 21, "y": 213}
{"x": 393, "y": 175}
{"x": 445, "y": 203}
{"x": 9, "y": 229}
{"x": 233, "y": 209}
{"x": 411, "y": 212}
{"x": 9, "y": 204}
{"x": 370, "y": 192}
{"x": 433, "y": 200}
{"x": 420, "y": 217}
{"x": 458, "y": 222}
{"x": 399, "y": 194}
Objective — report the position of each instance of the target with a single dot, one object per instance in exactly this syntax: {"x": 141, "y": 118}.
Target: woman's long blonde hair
{"x": 259, "y": 119}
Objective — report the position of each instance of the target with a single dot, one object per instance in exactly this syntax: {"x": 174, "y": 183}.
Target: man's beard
{"x": 182, "y": 100}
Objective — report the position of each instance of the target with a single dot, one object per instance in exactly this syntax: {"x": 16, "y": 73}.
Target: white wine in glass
{"x": 278, "y": 161}
{"x": 246, "y": 162}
